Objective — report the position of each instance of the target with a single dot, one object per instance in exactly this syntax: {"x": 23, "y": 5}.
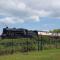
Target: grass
{"x": 50, "y": 54}
{"x": 53, "y": 54}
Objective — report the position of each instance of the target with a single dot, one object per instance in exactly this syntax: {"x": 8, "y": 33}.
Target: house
{"x": 44, "y": 33}
{"x": 48, "y": 33}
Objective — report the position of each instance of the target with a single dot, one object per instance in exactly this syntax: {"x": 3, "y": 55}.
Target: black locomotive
{"x": 18, "y": 33}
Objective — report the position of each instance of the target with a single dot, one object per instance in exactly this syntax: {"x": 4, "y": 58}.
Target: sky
{"x": 30, "y": 14}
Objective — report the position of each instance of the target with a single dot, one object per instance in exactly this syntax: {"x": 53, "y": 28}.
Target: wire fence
{"x": 37, "y": 43}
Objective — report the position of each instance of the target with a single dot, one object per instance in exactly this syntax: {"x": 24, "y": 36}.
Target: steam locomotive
{"x": 18, "y": 33}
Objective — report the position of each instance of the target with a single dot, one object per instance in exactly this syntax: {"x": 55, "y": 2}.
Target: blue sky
{"x": 30, "y": 14}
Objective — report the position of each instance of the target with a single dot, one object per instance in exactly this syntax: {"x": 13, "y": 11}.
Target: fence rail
{"x": 37, "y": 43}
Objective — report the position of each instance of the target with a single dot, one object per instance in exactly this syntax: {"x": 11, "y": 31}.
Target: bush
{"x": 28, "y": 47}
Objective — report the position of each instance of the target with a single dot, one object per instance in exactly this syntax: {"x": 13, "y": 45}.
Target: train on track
{"x": 17, "y": 33}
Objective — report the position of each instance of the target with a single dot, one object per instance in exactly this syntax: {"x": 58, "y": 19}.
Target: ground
{"x": 52, "y": 54}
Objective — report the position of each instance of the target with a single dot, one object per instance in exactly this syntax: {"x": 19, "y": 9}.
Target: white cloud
{"x": 11, "y": 20}
{"x": 56, "y": 4}
{"x": 35, "y": 18}
{"x": 21, "y": 6}
{"x": 25, "y": 10}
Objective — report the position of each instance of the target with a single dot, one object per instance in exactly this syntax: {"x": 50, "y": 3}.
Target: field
{"x": 53, "y": 54}
{"x": 16, "y": 49}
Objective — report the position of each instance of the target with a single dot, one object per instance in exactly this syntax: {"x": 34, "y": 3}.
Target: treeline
{"x": 55, "y": 31}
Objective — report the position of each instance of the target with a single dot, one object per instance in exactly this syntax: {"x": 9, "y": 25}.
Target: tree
{"x": 55, "y": 31}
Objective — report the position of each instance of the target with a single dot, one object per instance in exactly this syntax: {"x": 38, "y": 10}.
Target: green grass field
{"x": 46, "y": 54}
{"x": 53, "y": 54}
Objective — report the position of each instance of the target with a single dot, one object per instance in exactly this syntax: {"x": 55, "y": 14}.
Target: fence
{"x": 37, "y": 43}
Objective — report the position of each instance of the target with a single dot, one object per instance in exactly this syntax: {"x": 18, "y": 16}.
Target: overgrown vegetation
{"x": 55, "y": 31}
{"x": 10, "y": 46}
